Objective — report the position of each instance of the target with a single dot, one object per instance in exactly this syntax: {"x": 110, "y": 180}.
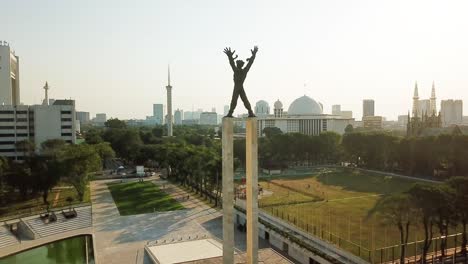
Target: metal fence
{"x": 387, "y": 254}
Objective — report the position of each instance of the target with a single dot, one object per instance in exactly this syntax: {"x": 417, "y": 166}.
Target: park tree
{"x": 158, "y": 131}
{"x": 45, "y": 173}
{"x": 4, "y": 167}
{"x": 460, "y": 187}
{"x": 104, "y": 150}
{"x": 115, "y": 123}
{"x": 349, "y": 128}
{"x": 80, "y": 161}
{"x": 51, "y": 147}
{"x": 27, "y": 147}
{"x": 271, "y": 131}
{"x": 397, "y": 210}
{"x": 442, "y": 200}
{"x": 423, "y": 197}
{"x": 125, "y": 142}
{"x": 19, "y": 177}
{"x": 93, "y": 136}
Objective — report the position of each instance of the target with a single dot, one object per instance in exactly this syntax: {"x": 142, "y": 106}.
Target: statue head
{"x": 239, "y": 64}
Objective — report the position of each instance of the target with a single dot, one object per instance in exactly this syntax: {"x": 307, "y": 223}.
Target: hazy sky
{"x": 111, "y": 56}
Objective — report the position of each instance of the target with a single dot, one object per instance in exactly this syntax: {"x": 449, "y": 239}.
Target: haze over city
{"x": 112, "y": 56}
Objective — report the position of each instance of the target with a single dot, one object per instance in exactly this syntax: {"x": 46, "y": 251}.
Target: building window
{"x": 65, "y": 112}
{"x": 7, "y": 120}
{"x": 7, "y": 135}
{"x": 7, "y": 142}
{"x": 66, "y": 134}
{"x": 7, "y": 112}
{"x": 66, "y": 127}
{"x": 7, "y": 127}
{"x": 21, "y": 120}
{"x": 22, "y": 135}
{"x": 21, "y": 127}
{"x": 7, "y": 150}
{"x": 21, "y": 112}
{"x": 66, "y": 119}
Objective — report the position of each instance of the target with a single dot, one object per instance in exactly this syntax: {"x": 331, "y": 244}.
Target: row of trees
{"x": 56, "y": 161}
{"x": 438, "y": 207}
{"x": 444, "y": 155}
{"x": 192, "y": 157}
{"x": 422, "y": 156}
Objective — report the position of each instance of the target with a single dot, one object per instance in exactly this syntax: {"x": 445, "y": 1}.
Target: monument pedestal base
{"x": 251, "y": 189}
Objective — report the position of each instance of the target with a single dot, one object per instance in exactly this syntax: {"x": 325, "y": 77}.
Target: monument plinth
{"x": 251, "y": 189}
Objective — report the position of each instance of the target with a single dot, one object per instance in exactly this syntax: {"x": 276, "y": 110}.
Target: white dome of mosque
{"x": 278, "y": 104}
{"x": 262, "y": 107}
{"x": 305, "y": 105}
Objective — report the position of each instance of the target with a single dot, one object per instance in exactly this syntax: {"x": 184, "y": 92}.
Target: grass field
{"x": 141, "y": 197}
{"x": 334, "y": 203}
{"x": 14, "y": 205}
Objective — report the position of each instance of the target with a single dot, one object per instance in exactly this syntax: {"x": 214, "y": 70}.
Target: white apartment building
{"x": 9, "y": 76}
{"x": 36, "y": 123}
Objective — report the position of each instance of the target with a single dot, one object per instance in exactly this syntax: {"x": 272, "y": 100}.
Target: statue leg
{"x": 235, "y": 96}
{"x": 243, "y": 96}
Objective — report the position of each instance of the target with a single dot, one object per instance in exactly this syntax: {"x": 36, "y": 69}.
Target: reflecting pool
{"x": 75, "y": 250}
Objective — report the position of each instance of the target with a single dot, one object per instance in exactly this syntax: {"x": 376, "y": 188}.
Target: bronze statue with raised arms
{"x": 239, "y": 77}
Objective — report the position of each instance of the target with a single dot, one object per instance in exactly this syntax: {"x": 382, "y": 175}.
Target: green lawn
{"x": 346, "y": 196}
{"x": 141, "y": 197}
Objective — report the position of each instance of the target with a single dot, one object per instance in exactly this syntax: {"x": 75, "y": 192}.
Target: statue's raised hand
{"x": 228, "y": 52}
{"x": 254, "y": 51}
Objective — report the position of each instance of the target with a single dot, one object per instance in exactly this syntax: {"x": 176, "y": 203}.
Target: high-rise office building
{"x": 178, "y": 116}
{"x": 83, "y": 117}
{"x": 9, "y": 76}
{"x": 336, "y": 110}
{"x": 158, "y": 113}
{"x": 368, "y": 107}
{"x": 208, "y": 118}
{"x": 451, "y": 112}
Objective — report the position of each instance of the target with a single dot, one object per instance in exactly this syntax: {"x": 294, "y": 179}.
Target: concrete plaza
{"x": 121, "y": 239}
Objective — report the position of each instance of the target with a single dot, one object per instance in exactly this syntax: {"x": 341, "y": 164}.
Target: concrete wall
{"x": 301, "y": 255}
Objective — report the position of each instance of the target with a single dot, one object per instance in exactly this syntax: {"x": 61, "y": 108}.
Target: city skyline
{"x": 347, "y": 60}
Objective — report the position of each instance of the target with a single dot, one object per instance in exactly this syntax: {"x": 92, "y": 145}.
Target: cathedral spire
{"x": 433, "y": 95}
{"x": 415, "y": 100}
{"x": 433, "y": 103}
{"x": 416, "y": 94}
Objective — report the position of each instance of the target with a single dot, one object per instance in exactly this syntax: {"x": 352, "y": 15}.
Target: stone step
{"x": 83, "y": 220}
{"x": 7, "y": 238}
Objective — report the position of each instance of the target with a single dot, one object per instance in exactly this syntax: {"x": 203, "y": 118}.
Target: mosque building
{"x": 304, "y": 115}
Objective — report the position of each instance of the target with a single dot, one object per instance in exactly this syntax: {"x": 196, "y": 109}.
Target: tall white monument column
{"x": 169, "y": 103}
{"x": 251, "y": 190}
{"x": 228, "y": 191}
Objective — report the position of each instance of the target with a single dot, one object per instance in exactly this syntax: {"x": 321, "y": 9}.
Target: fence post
{"x": 381, "y": 255}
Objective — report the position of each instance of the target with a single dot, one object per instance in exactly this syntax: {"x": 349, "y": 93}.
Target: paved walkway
{"x": 121, "y": 239}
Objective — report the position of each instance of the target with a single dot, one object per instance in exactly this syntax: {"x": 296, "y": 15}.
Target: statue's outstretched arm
{"x": 230, "y": 55}
{"x": 251, "y": 59}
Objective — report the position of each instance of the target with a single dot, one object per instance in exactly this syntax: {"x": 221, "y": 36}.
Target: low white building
{"x": 304, "y": 116}
{"x": 35, "y": 123}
